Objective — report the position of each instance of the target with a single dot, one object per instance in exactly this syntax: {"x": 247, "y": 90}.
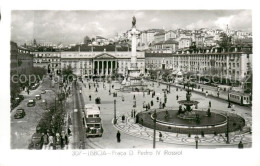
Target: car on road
{"x": 31, "y": 103}
{"x": 43, "y": 91}
{"x": 38, "y": 97}
{"x": 19, "y": 113}
{"x": 36, "y": 141}
{"x": 35, "y": 86}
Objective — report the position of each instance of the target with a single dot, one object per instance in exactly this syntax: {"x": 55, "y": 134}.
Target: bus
{"x": 239, "y": 98}
{"x": 92, "y": 120}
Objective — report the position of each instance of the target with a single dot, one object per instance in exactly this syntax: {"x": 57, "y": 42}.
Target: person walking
{"x": 160, "y": 136}
{"x": 177, "y": 97}
{"x": 209, "y": 103}
{"x": 134, "y": 113}
{"x": 118, "y": 135}
{"x": 123, "y": 118}
{"x": 51, "y": 140}
{"x": 66, "y": 141}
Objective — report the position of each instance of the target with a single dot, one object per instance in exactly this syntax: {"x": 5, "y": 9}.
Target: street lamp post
{"x": 227, "y": 130}
{"x": 154, "y": 129}
{"x": 115, "y": 120}
{"x": 196, "y": 140}
{"x": 45, "y": 102}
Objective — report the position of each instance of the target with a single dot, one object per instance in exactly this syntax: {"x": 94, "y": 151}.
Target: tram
{"x": 239, "y": 98}
{"x": 92, "y": 120}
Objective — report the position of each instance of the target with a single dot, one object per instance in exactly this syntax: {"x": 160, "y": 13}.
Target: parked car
{"x": 38, "y": 97}
{"x": 35, "y": 86}
{"x": 19, "y": 113}
{"x": 31, "y": 103}
{"x": 21, "y": 97}
{"x": 43, "y": 91}
{"x": 36, "y": 142}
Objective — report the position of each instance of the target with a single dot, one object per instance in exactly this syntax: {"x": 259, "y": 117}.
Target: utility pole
{"x": 115, "y": 120}
{"x": 227, "y": 130}
{"x": 154, "y": 129}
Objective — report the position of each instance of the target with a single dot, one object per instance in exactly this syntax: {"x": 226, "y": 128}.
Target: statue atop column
{"x": 134, "y": 21}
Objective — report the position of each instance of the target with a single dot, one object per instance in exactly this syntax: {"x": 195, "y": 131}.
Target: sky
{"x": 69, "y": 27}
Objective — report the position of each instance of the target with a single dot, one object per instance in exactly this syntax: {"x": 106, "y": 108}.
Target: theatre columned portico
{"x": 104, "y": 64}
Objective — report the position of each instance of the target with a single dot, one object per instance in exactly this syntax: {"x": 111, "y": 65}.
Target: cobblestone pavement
{"x": 134, "y": 135}
{"x": 137, "y": 130}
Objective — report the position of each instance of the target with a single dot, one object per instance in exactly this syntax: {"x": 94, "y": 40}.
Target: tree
{"x": 34, "y": 42}
{"x": 39, "y": 72}
{"x": 86, "y": 40}
{"x": 225, "y": 40}
{"x": 67, "y": 72}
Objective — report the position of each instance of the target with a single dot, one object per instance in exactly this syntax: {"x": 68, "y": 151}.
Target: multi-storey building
{"x": 232, "y": 64}
{"x": 168, "y": 46}
{"x": 156, "y": 61}
{"x": 159, "y": 37}
{"x": 89, "y": 63}
{"x": 21, "y": 60}
{"x": 14, "y": 59}
{"x": 185, "y": 42}
{"x": 170, "y": 35}
{"x": 47, "y": 60}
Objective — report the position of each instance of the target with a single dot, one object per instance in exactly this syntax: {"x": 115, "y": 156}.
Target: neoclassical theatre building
{"x": 89, "y": 63}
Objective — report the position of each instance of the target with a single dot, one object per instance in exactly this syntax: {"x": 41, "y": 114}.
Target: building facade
{"x": 185, "y": 42}
{"x": 88, "y": 63}
{"x": 21, "y": 60}
{"x": 234, "y": 64}
{"x": 47, "y": 60}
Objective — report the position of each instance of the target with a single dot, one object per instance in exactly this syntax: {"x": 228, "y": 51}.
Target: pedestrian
{"x": 57, "y": 141}
{"x": 89, "y": 97}
{"x": 51, "y": 140}
{"x": 45, "y": 139}
{"x": 118, "y": 135}
{"x": 134, "y": 113}
{"x": 123, "y": 118}
{"x": 69, "y": 132}
{"x": 66, "y": 141}
{"x": 163, "y": 105}
{"x": 177, "y": 97}
{"x": 137, "y": 118}
{"x": 160, "y": 136}
{"x": 240, "y": 145}
{"x": 209, "y": 103}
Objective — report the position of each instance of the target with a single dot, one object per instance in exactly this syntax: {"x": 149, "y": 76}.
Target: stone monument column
{"x": 134, "y": 34}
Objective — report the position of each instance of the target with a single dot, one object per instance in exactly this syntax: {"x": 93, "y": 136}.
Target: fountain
{"x": 190, "y": 120}
{"x": 188, "y": 112}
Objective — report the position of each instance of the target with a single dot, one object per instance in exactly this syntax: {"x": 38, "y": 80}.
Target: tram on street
{"x": 92, "y": 120}
{"x": 239, "y": 98}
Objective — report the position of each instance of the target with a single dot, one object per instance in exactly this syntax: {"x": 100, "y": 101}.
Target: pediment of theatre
{"x": 104, "y": 56}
